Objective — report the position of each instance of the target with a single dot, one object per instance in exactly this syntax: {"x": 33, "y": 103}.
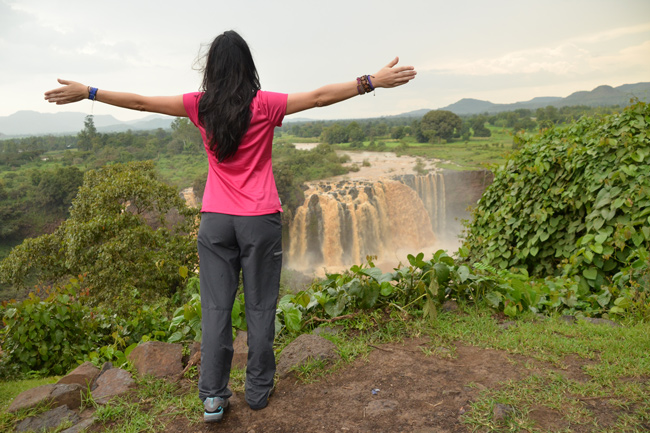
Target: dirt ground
{"x": 414, "y": 392}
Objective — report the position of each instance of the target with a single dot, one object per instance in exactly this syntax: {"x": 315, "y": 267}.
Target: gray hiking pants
{"x": 228, "y": 244}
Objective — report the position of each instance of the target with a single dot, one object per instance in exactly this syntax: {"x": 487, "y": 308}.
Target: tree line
{"x": 439, "y": 126}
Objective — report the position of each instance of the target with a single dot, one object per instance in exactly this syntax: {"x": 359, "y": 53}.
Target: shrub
{"x": 573, "y": 200}
{"x": 49, "y": 335}
{"x": 127, "y": 230}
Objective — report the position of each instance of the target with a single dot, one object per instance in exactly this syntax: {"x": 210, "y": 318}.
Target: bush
{"x": 572, "y": 201}
{"x": 127, "y": 230}
{"x": 49, "y": 335}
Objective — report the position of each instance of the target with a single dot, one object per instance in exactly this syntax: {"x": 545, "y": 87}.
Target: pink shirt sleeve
{"x": 191, "y": 103}
{"x": 274, "y": 105}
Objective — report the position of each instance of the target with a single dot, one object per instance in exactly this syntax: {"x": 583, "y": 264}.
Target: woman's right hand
{"x": 391, "y": 76}
{"x": 70, "y": 92}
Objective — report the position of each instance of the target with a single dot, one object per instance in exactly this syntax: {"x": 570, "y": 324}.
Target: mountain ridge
{"x": 29, "y": 123}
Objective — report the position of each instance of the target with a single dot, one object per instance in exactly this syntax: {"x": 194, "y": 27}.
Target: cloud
{"x": 617, "y": 49}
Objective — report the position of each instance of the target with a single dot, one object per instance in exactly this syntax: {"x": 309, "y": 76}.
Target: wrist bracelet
{"x": 92, "y": 93}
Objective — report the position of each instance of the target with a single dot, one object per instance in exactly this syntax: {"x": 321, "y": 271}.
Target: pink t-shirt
{"x": 244, "y": 184}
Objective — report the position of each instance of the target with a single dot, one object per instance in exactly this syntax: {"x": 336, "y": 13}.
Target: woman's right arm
{"x": 73, "y": 91}
{"x": 388, "y": 76}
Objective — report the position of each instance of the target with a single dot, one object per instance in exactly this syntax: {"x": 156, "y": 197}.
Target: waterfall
{"x": 340, "y": 223}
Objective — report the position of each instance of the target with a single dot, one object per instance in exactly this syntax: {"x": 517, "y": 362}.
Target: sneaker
{"x": 214, "y": 409}
{"x": 266, "y": 401}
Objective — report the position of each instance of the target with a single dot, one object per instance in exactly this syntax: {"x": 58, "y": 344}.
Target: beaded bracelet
{"x": 360, "y": 88}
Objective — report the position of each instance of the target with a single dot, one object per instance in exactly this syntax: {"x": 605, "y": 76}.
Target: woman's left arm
{"x": 73, "y": 91}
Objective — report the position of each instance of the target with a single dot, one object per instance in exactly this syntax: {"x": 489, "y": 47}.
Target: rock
{"x": 195, "y": 347}
{"x": 304, "y": 348}
{"x": 68, "y": 394}
{"x": 83, "y": 425}
{"x": 240, "y": 350}
{"x": 47, "y": 420}
{"x": 597, "y": 321}
{"x": 31, "y": 398}
{"x": 158, "y": 359}
{"x": 381, "y": 408}
{"x": 83, "y": 375}
{"x": 450, "y": 306}
{"x": 53, "y": 394}
{"x": 112, "y": 383}
{"x": 105, "y": 367}
{"x": 501, "y": 411}
{"x": 568, "y": 319}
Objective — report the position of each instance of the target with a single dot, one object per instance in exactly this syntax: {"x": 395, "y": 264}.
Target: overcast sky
{"x": 501, "y": 50}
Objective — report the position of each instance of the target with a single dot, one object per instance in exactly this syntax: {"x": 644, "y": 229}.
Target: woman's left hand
{"x": 392, "y": 75}
{"x": 70, "y": 92}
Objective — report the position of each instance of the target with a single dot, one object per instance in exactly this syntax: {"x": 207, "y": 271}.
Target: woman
{"x": 240, "y": 224}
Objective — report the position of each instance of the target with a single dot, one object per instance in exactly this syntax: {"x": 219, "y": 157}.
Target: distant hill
{"x": 600, "y": 96}
{"x": 23, "y": 123}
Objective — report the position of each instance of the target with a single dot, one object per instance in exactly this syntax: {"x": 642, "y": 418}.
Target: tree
{"x": 478, "y": 126}
{"x": 355, "y": 133}
{"x": 440, "y": 125}
{"x": 88, "y": 136}
{"x": 334, "y": 134}
{"x": 397, "y": 132}
{"x": 416, "y": 131}
{"x": 57, "y": 188}
{"x": 186, "y": 136}
{"x": 127, "y": 231}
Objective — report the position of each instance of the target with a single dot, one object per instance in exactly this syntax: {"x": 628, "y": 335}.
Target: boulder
{"x": 83, "y": 375}
{"x": 48, "y": 420}
{"x": 158, "y": 359}
{"x": 112, "y": 383}
{"x": 83, "y": 425}
{"x": 31, "y": 398}
{"x": 240, "y": 350}
{"x": 303, "y": 349}
{"x": 53, "y": 394}
{"x": 68, "y": 394}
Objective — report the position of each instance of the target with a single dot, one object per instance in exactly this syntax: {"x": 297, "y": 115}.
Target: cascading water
{"x": 341, "y": 223}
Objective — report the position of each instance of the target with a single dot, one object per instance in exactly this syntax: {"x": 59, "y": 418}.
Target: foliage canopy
{"x": 127, "y": 230}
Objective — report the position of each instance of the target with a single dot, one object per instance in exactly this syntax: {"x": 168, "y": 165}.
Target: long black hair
{"x": 230, "y": 83}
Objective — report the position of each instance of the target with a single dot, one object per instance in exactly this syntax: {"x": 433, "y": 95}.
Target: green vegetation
{"x": 616, "y": 363}
{"x": 574, "y": 201}
{"x": 562, "y": 230}
{"x": 127, "y": 232}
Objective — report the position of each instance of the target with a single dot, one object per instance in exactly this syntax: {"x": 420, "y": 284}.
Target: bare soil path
{"x": 414, "y": 391}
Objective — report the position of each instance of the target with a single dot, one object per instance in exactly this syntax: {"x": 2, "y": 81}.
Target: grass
{"x": 615, "y": 372}
{"x": 477, "y": 152}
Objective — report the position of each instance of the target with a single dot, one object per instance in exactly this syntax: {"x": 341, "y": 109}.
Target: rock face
{"x": 83, "y": 375}
{"x": 303, "y": 349}
{"x": 158, "y": 359}
{"x": 112, "y": 383}
{"x": 47, "y": 420}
